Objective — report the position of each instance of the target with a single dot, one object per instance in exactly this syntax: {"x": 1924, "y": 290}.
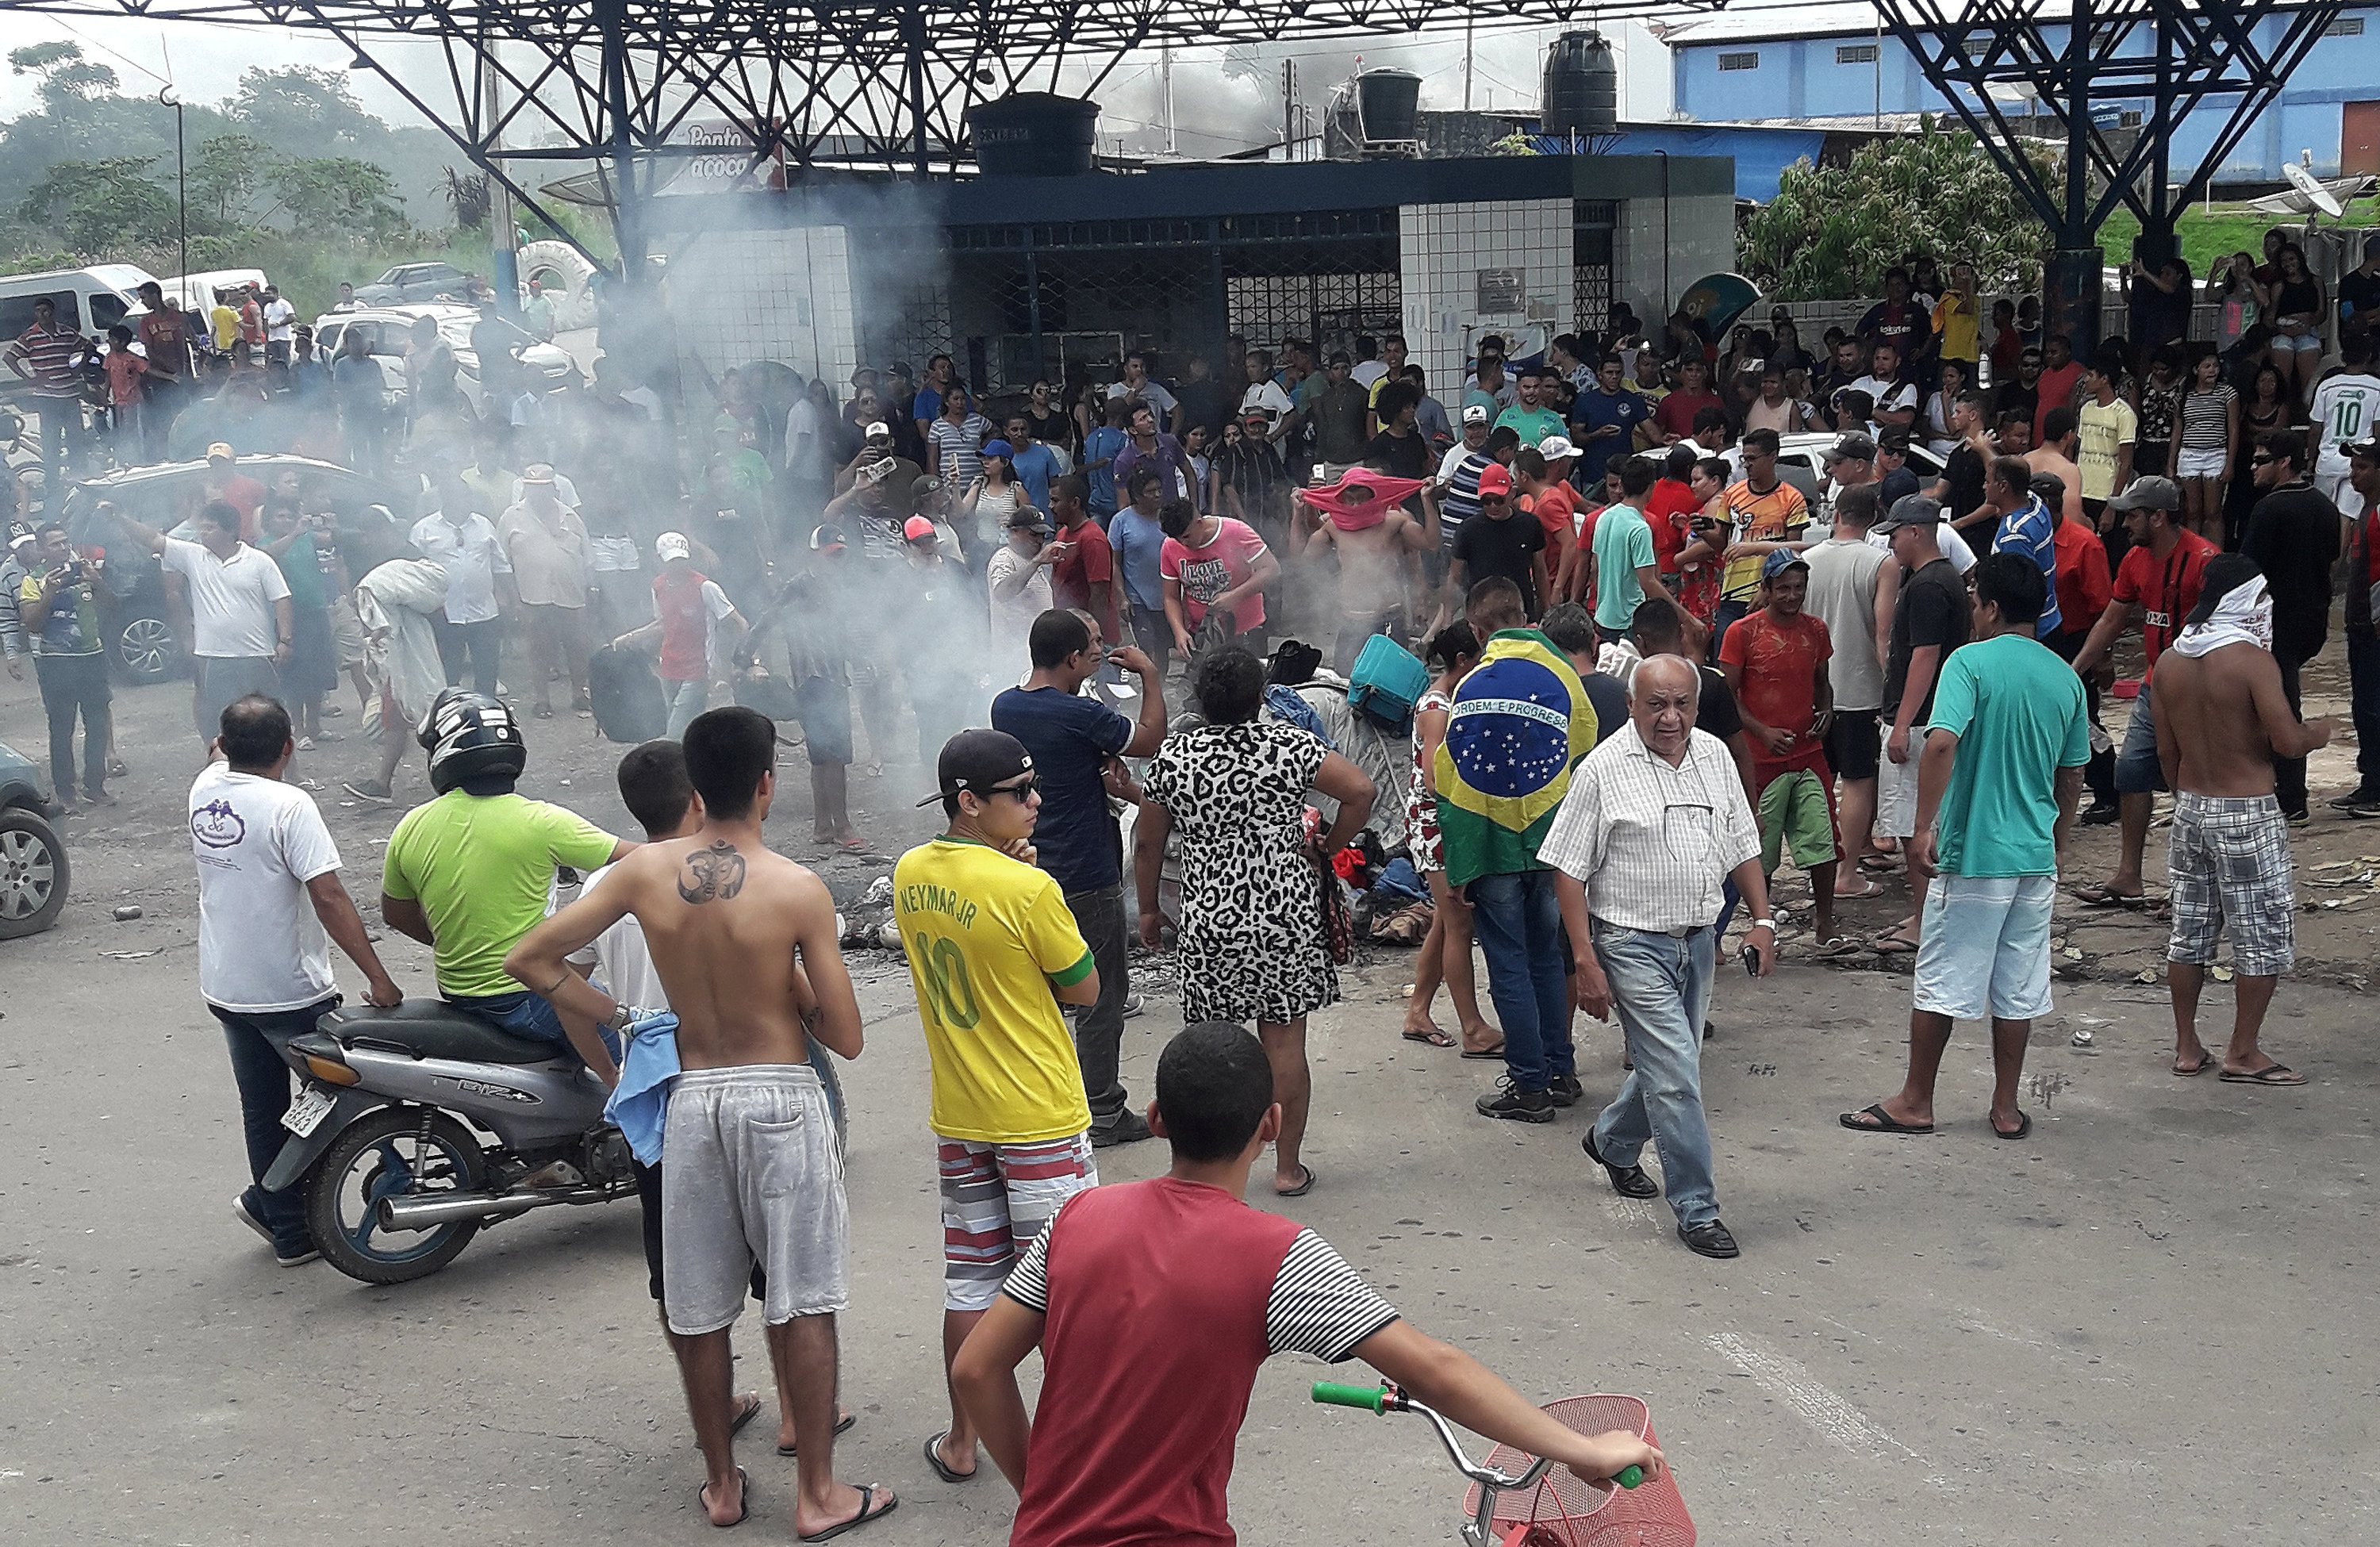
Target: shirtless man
{"x": 749, "y": 1140}
{"x": 1371, "y": 564}
{"x": 2221, "y": 719}
{"x": 2056, "y": 455}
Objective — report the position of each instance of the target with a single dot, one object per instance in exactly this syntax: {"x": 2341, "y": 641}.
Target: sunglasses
{"x": 1023, "y": 789}
{"x": 2261, "y": 461}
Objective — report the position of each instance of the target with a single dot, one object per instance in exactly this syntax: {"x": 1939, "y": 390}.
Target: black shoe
{"x": 2355, "y": 797}
{"x": 1709, "y": 1239}
{"x": 1515, "y": 1104}
{"x": 1628, "y": 1181}
{"x": 2102, "y": 814}
{"x": 1564, "y": 1091}
{"x": 2366, "y": 811}
{"x": 2298, "y": 818}
{"x": 1124, "y": 1128}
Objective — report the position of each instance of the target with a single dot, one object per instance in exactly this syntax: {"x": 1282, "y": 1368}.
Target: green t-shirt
{"x": 1533, "y": 425}
{"x": 302, "y": 567}
{"x": 2017, "y": 710}
{"x": 1624, "y": 544}
{"x": 481, "y": 867}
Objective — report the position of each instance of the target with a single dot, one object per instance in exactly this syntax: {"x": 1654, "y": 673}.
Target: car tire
{"x": 145, "y": 651}
{"x": 33, "y": 874}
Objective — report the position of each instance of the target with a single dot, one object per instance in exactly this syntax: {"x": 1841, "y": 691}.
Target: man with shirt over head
{"x": 1155, "y": 1303}
{"x": 2223, "y": 726}
{"x": 993, "y": 953}
{"x": 751, "y": 1174}
{"x": 2157, "y": 584}
{"x": 2004, "y": 746}
{"x": 1075, "y": 742}
{"x": 2293, "y": 536}
{"x": 269, "y": 904}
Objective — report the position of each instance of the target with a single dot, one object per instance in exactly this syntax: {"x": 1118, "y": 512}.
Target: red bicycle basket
{"x": 1560, "y": 1511}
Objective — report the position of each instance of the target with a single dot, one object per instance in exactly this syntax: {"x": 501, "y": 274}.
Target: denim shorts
{"x": 2138, "y": 771}
{"x": 1985, "y": 947}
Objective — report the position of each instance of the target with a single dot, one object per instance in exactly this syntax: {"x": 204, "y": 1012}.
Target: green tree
{"x": 337, "y": 196}
{"x": 100, "y": 207}
{"x": 225, "y": 175}
{"x": 69, "y": 80}
{"x": 303, "y": 107}
{"x": 1832, "y": 231}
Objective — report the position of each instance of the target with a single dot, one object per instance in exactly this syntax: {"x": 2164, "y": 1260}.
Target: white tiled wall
{"x": 765, "y": 295}
{"x": 1443, "y": 249}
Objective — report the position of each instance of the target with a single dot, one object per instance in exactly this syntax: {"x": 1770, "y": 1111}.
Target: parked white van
{"x": 196, "y": 292}
{"x": 91, "y": 299}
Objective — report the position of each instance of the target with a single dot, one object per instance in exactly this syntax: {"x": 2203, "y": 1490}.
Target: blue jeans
{"x": 2364, "y": 686}
{"x": 262, "y": 1077}
{"x": 1519, "y": 926}
{"x": 1660, "y": 985}
{"x": 522, "y": 1013}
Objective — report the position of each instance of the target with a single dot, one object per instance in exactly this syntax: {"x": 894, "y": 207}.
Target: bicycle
{"x": 1541, "y": 1506}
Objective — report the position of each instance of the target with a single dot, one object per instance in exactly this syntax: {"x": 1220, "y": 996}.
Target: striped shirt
{"x": 1652, "y": 843}
{"x": 2206, "y": 418}
{"x": 51, "y": 353}
{"x": 1318, "y": 1305}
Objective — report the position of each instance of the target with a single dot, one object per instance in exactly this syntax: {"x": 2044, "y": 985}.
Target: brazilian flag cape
{"x": 1520, "y": 721}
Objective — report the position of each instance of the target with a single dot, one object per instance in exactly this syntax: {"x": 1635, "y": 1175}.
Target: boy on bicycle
{"x": 1153, "y": 1304}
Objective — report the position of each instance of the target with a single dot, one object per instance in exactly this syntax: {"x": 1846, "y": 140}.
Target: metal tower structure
{"x": 2165, "y": 58}
{"x": 855, "y": 85}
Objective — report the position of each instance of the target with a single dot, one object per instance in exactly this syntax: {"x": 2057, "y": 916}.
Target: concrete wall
{"x": 1700, "y": 240}
{"x": 1442, "y": 249}
{"x": 739, "y": 296}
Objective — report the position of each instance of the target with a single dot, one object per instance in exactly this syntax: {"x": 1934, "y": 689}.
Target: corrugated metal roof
{"x": 1825, "y": 18}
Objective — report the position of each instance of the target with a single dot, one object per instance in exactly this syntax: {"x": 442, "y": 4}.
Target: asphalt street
{"x": 2146, "y": 1323}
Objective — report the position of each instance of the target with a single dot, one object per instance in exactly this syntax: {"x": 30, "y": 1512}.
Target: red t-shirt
{"x": 682, "y": 602}
{"x": 2165, "y": 588}
{"x": 1667, "y": 510}
{"x": 1675, "y": 414}
{"x": 2083, "y": 580}
{"x": 1778, "y": 666}
{"x": 246, "y": 495}
{"x": 1205, "y": 573}
{"x": 1556, "y": 506}
{"x": 1093, "y": 562}
{"x": 1159, "y": 1300}
{"x": 2055, "y": 388}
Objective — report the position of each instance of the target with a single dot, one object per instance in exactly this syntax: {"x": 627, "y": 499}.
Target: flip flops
{"x": 2271, "y": 1074}
{"x": 1892, "y": 942}
{"x": 743, "y": 1501}
{"x": 1301, "y": 1188}
{"x": 868, "y": 1513}
{"x": 842, "y": 1425}
{"x": 2205, "y": 1062}
{"x": 2024, "y": 1127}
{"x": 1885, "y": 1122}
{"x": 934, "y": 1459}
{"x": 2099, "y": 895}
{"x": 1431, "y": 1036}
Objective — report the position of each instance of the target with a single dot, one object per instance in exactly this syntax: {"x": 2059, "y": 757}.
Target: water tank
{"x": 1389, "y": 101}
{"x": 1582, "y": 85}
{"x": 1033, "y": 134}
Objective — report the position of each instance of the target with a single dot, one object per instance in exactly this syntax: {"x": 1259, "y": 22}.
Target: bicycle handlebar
{"x": 1386, "y": 1398}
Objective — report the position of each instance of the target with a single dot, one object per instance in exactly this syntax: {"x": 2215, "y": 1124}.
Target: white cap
{"x": 1476, "y": 414}
{"x": 1553, "y": 448}
{"x": 878, "y": 431}
{"x": 672, "y": 545}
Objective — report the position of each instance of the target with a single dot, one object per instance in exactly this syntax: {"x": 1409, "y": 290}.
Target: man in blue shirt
{"x": 1075, "y": 742}
{"x": 1603, "y": 421}
{"x": 1101, "y": 448}
{"x": 2026, "y": 528}
{"x": 1137, "y": 543}
{"x": 1033, "y": 463}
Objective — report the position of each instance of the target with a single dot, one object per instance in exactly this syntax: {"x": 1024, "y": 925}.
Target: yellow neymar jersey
{"x": 987, "y": 935}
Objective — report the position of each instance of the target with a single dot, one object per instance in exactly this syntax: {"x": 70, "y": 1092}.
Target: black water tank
{"x": 1033, "y": 134}
{"x": 1582, "y": 85}
{"x": 1390, "y": 103}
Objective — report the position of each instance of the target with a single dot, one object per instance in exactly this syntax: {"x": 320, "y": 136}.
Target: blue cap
{"x": 1779, "y": 561}
{"x": 998, "y": 448}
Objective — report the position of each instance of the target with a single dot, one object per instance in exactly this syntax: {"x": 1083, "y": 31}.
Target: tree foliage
{"x": 97, "y": 205}
{"x": 337, "y": 194}
{"x": 1832, "y": 231}
{"x": 226, "y": 174}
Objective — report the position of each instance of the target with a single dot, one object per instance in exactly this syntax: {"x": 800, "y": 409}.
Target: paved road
{"x": 2144, "y": 1324}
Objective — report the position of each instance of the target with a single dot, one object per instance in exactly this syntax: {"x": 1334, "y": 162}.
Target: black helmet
{"x": 471, "y": 735}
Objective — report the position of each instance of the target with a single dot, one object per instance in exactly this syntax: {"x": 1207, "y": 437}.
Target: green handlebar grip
{"x": 1367, "y": 1397}
{"x": 1630, "y": 1477}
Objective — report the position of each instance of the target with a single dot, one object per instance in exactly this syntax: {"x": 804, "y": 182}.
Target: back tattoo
{"x": 716, "y": 872}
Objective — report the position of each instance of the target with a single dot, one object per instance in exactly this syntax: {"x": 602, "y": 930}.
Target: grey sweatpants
{"x": 751, "y": 1174}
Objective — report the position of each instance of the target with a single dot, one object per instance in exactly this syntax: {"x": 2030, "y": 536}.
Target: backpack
{"x": 626, "y": 696}
{"x": 1387, "y": 682}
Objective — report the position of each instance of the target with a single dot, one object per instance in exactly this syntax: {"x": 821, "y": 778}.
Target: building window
{"x": 1855, "y": 53}
{"x": 1739, "y": 61}
{"x": 2345, "y": 27}
{"x": 1976, "y": 45}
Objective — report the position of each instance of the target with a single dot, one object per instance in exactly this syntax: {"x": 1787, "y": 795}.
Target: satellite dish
{"x": 2317, "y": 200}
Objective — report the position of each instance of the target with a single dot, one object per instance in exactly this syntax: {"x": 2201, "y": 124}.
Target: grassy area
{"x": 2212, "y": 231}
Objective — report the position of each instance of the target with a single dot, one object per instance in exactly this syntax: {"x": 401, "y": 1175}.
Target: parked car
{"x": 33, "y": 870}
{"x": 415, "y": 282}
{"x": 385, "y": 329}
{"x": 143, "y": 644}
{"x": 1802, "y": 460}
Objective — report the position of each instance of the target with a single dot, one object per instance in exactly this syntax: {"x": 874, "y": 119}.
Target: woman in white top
{"x": 954, "y": 442}
{"x": 2205, "y": 433}
{"x": 1940, "y": 405}
{"x": 992, "y": 497}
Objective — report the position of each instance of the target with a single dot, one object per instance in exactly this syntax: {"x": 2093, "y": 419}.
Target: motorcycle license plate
{"x": 307, "y": 1114}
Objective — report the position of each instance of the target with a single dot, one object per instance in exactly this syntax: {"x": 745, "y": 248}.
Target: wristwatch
{"x": 622, "y": 1013}
{"x": 1768, "y": 924}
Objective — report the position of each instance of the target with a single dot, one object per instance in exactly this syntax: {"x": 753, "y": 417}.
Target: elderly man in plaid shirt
{"x": 1654, "y": 825}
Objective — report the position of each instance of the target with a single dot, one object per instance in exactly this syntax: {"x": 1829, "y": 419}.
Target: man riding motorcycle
{"x": 468, "y": 874}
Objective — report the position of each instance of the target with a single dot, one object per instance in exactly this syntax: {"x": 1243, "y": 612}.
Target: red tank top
{"x": 686, "y": 627}
{"x": 1156, "y": 1325}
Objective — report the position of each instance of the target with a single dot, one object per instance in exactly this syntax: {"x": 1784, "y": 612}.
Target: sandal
{"x": 1885, "y": 1122}
{"x": 1875, "y": 863}
{"x": 2271, "y": 1074}
{"x": 1838, "y": 948}
{"x": 1484, "y": 1053}
{"x": 1430, "y": 1035}
{"x": 1892, "y": 942}
{"x": 1301, "y": 1188}
{"x": 2100, "y": 895}
{"x": 934, "y": 1459}
{"x": 1868, "y": 887}
{"x": 2205, "y": 1062}
{"x": 842, "y": 1425}
{"x": 743, "y": 1500}
{"x": 867, "y": 1512}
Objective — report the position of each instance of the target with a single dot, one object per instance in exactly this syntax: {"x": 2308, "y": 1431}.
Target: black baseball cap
{"x": 976, "y": 759}
{"x": 1910, "y": 510}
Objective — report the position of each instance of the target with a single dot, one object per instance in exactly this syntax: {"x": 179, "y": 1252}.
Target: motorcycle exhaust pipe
{"x": 436, "y": 1209}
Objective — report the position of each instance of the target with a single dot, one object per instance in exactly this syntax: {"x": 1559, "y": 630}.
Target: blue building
{"x": 1830, "y": 65}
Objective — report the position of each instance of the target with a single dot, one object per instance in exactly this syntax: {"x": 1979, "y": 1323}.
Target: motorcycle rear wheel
{"x": 381, "y": 1155}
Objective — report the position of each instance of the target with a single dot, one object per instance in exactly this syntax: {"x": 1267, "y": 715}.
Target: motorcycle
{"x": 387, "y": 1135}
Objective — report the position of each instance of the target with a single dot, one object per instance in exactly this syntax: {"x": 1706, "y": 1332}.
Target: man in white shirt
{"x": 1266, "y": 396}
{"x": 242, "y": 622}
{"x": 2346, "y": 407}
{"x": 546, "y": 544}
{"x": 463, "y": 541}
{"x": 1654, "y": 825}
{"x": 280, "y": 322}
{"x": 1896, "y": 400}
{"x": 1136, "y": 384}
{"x": 270, "y": 903}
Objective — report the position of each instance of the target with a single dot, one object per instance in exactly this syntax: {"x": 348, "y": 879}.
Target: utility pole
{"x": 1289, "y": 110}
{"x": 1466, "y": 63}
{"x": 1165, "y": 89}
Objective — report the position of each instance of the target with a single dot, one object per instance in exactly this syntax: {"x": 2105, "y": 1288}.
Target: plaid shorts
{"x": 2230, "y": 870}
{"x": 997, "y": 1199}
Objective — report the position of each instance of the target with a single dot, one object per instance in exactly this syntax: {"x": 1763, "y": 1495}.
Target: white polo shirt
{"x": 231, "y": 600}
{"x": 471, "y": 558}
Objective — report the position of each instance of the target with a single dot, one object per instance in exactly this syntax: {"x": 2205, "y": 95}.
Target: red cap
{"x": 918, "y": 527}
{"x": 1495, "y": 479}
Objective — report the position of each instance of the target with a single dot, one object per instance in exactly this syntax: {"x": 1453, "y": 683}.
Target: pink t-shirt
{"x": 1205, "y": 573}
